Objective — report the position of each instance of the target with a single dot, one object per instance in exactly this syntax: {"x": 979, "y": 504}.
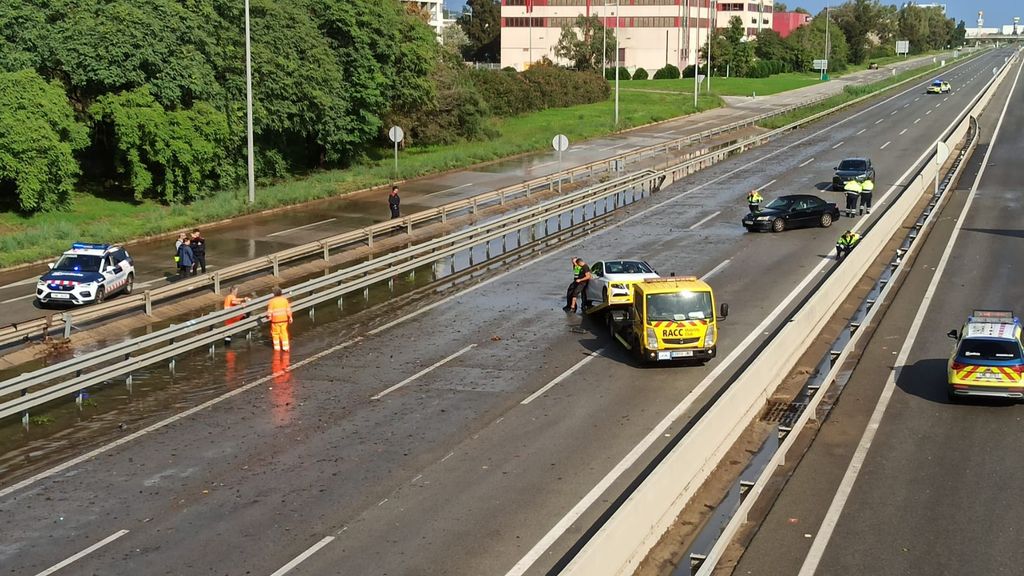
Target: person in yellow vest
{"x": 866, "y": 188}
{"x": 845, "y": 244}
{"x": 754, "y": 200}
{"x": 279, "y": 313}
{"x": 853, "y": 189}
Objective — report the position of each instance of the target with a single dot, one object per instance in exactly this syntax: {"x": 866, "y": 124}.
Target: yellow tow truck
{"x": 665, "y": 319}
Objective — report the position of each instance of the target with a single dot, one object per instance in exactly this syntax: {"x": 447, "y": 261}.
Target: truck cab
{"x": 670, "y": 319}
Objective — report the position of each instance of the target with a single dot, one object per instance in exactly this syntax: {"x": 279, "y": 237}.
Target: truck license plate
{"x": 748, "y": 222}
{"x": 682, "y": 354}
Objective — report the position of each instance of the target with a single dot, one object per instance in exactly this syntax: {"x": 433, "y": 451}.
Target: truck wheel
{"x": 778, "y": 225}
{"x": 826, "y": 220}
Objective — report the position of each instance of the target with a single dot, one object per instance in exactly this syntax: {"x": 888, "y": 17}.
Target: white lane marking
{"x": 939, "y": 104}
{"x": 423, "y": 372}
{"x": 24, "y": 282}
{"x": 893, "y": 113}
{"x": 904, "y": 131}
{"x": 916, "y": 121}
{"x": 906, "y": 105}
{"x": 828, "y": 525}
{"x": 927, "y": 112}
{"x": 886, "y": 144}
{"x": 449, "y": 455}
{"x": 613, "y": 147}
{"x": 25, "y": 297}
{"x": 302, "y": 227}
{"x": 766, "y": 185}
{"x": 838, "y": 145}
{"x": 544, "y": 164}
{"x": 703, "y": 220}
{"x": 861, "y": 131}
{"x": 83, "y": 553}
{"x": 562, "y": 376}
{"x": 721, "y": 266}
{"x": 880, "y": 120}
{"x": 302, "y": 557}
{"x": 424, "y": 309}
{"x": 171, "y": 420}
{"x": 809, "y": 160}
{"x": 452, "y": 189}
{"x": 916, "y": 99}
{"x": 569, "y": 519}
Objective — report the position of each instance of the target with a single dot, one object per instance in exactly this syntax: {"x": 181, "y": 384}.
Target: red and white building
{"x": 651, "y": 33}
{"x": 785, "y": 22}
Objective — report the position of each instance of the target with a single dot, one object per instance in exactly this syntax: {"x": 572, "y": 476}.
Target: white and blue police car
{"x": 87, "y": 273}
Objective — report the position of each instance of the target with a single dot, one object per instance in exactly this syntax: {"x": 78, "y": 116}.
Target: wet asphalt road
{"x": 452, "y": 473}
{"x": 936, "y": 493}
{"x": 250, "y": 237}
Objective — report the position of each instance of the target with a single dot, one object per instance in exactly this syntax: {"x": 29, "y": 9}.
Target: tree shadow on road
{"x": 927, "y": 379}
{"x": 998, "y": 232}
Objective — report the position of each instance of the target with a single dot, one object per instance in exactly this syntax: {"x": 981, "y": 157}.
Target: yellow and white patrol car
{"x": 987, "y": 359}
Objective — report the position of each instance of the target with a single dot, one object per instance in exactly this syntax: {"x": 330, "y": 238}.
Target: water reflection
{"x": 281, "y": 396}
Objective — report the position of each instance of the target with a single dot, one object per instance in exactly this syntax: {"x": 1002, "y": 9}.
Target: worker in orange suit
{"x": 230, "y": 301}
{"x": 279, "y": 313}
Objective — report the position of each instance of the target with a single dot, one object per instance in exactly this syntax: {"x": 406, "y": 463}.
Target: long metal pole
{"x": 604, "y": 41}
{"x": 824, "y": 69}
{"x": 617, "y": 63}
{"x": 248, "y": 110}
{"x": 711, "y": 37}
{"x": 696, "y": 58}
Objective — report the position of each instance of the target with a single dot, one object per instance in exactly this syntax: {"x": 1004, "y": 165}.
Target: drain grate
{"x": 785, "y": 413}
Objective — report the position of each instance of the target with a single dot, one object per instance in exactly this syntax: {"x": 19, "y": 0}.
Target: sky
{"x": 997, "y": 12}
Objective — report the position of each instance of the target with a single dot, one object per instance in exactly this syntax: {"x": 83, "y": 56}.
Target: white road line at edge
{"x": 828, "y": 525}
{"x": 809, "y": 160}
{"x": 704, "y": 220}
{"x": 302, "y": 557}
{"x": 163, "y": 423}
{"x": 721, "y": 266}
{"x": 25, "y": 297}
{"x": 83, "y": 553}
{"x": 426, "y": 370}
{"x": 302, "y": 227}
{"x": 562, "y": 376}
{"x": 24, "y": 282}
{"x": 424, "y": 309}
{"x": 570, "y": 517}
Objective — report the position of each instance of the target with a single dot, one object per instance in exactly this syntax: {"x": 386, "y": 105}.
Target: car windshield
{"x": 989, "y": 349}
{"x": 627, "y": 267}
{"x": 779, "y": 204}
{"x": 936, "y": 83}
{"x": 854, "y": 164}
{"x": 78, "y": 263}
{"x": 679, "y": 306}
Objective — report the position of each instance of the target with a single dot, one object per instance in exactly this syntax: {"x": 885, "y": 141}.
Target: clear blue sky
{"x": 997, "y": 12}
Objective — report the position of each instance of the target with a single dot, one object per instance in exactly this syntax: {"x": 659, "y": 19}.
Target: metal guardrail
{"x": 23, "y": 331}
{"x": 117, "y": 360}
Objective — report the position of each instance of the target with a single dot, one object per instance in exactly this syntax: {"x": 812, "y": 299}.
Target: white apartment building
{"x": 652, "y": 33}
{"x": 436, "y": 10}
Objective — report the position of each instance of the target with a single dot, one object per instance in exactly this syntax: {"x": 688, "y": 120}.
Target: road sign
{"x": 819, "y": 64}
{"x": 903, "y": 47}
{"x": 560, "y": 143}
{"x": 396, "y": 134}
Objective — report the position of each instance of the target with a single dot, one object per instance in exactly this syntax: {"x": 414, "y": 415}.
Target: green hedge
{"x": 540, "y": 87}
{"x": 667, "y": 72}
{"x": 640, "y": 74}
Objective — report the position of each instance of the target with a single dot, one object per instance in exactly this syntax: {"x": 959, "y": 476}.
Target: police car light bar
{"x": 994, "y": 315}
{"x": 89, "y": 246}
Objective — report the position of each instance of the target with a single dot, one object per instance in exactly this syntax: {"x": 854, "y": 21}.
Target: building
{"x": 651, "y": 33}
{"x": 436, "y": 10}
{"x": 785, "y": 22}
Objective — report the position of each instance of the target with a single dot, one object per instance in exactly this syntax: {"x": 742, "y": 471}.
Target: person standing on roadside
{"x": 394, "y": 201}
{"x": 279, "y": 313}
{"x": 177, "y": 246}
{"x": 580, "y": 285}
{"x": 198, "y": 244}
{"x": 186, "y": 259}
{"x": 230, "y": 301}
{"x": 866, "y": 190}
{"x": 572, "y": 285}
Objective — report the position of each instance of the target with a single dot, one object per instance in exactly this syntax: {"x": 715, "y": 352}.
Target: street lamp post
{"x": 696, "y": 58}
{"x": 617, "y": 63}
{"x": 248, "y": 109}
{"x": 824, "y": 69}
{"x": 711, "y": 37}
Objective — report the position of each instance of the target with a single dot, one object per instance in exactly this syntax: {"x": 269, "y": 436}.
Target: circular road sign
{"x": 560, "y": 143}
{"x": 396, "y": 134}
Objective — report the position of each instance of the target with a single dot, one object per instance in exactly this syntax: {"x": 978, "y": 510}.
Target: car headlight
{"x": 652, "y": 339}
{"x": 709, "y": 337}
{"x": 762, "y": 218}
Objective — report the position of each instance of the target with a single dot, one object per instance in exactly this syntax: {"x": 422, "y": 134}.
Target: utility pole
{"x": 248, "y": 109}
{"x": 617, "y": 63}
{"x": 711, "y": 37}
{"x": 824, "y": 69}
{"x": 696, "y": 59}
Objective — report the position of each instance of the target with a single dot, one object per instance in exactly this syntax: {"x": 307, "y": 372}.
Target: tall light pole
{"x": 248, "y": 109}
{"x": 696, "y": 59}
{"x": 824, "y": 69}
{"x": 711, "y": 37}
{"x": 604, "y": 42}
{"x": 617, "y": 63}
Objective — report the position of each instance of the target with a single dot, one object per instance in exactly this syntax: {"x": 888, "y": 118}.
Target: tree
{"x": 581, "y": 43}
{"x": 38, "y": 170}
{"x": 482, "y": 25}
{"x": 857, "y": 18}
{"x": 770, "y": 46}
{"x": 779, "y": 7}
{"x": 454, "y": 38}
{"x": 960, "y": 34}
{"x": 807, "y": 43}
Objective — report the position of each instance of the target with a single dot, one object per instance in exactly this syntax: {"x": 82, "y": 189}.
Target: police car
{"x": 87, "y": 273}
{"x": 939, "y": 87}
{"x": 987, "y": 359}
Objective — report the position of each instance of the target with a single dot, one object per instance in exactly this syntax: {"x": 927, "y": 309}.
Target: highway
{"x": 245, "y": 238}
{"x": 930, "y": 487}
{"x": 497, "y": 417}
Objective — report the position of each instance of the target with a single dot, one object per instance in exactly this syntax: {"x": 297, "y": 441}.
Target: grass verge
{"x": 98, "y": 218}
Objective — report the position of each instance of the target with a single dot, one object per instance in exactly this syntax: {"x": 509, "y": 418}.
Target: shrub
{"x": 609, "y": 74}
{"x": 624, "y": 73}
{"x": 668, "y": 72}
{"x": 640, "y": 74}
{"x": 687, "y": 72}
{"x": 540, "y": 87}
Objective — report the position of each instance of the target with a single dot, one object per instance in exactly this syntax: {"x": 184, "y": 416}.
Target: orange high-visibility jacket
{"x": 279, "y": 310}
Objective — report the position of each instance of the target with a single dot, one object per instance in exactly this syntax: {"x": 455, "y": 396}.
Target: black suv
{"x": 852, "y": 169}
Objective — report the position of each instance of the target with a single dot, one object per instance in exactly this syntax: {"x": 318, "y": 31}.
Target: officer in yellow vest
{"x": 853, "y": 190}
{"x": 866, "y": 188}
{"x": 845, "y": 244}
{"x": 754, "y": 200}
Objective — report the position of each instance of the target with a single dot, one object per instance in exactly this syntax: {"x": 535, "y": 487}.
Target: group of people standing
{"x": 858, "y": 191}
{"x": 190, "y": 253}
